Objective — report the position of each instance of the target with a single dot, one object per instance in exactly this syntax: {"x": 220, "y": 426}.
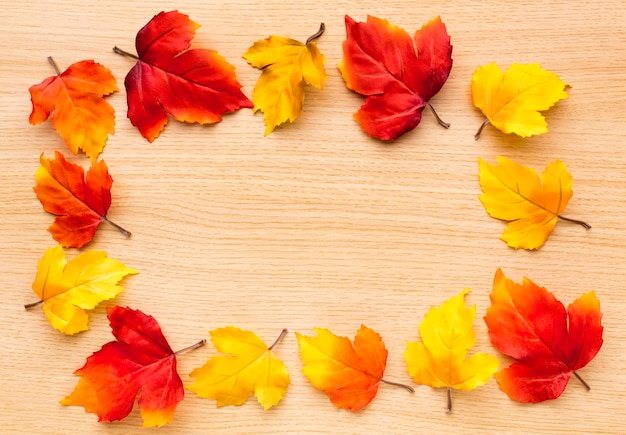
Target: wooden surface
{"x": 317, "y": 224}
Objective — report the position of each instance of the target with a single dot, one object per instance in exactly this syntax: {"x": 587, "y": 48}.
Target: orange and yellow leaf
{"x": 73, "y": 100}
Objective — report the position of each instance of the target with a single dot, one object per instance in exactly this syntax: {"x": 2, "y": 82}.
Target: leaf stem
{"x": 480, "y": 130}
{"x": 406, "y": 387}
{"x": 118, "y": 50}
{"x": 582, "y": 381}
{"x": 449, "y": 407}
{"x": 113, "y": 224}
{"x": 575, "y": 221}
{"x": 319, "y": 33}
{"x": 439, "y": 120}
{"x": 33, "y": 305}
{"x": 279, "y": 339}
{"x": 192, "y": 347}
{"x": 54, "y": 65}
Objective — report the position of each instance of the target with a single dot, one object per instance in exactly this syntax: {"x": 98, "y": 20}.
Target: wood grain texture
{"x": 317, "y": 224}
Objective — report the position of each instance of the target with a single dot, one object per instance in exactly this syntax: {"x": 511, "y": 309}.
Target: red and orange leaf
{"x": 528, "y": 323}
{"x": 348, "y": 374}
{"x": 397, "y": 74}
{"x": 80, "y": 202}
{"x": 140, "y": 362}
{"x": 191, "y": 85}
{"x": 73, "y": 100}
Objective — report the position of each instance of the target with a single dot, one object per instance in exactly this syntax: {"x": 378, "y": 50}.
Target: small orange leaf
{"x": 73, "y": 100}
{"x": 348, "y": 374}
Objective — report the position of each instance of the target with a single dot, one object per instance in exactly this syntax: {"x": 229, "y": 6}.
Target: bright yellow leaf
{"x": 250, "y": 367}
{"x": 439, "y": 359}
{"x": 515, "y": 193}
{"x": 511, "y": 101}
{"x": 287, "y": 65}
{"x": 66, "y": 290}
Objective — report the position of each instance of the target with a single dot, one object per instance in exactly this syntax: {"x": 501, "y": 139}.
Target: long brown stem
{"x": 192, "y": 347}
{"x": 575, "y": 221}
{"x": 279, "y": 339}
{"x": 33, "y": 305}
{"x": 319, "y": 33}
{"x": 119, "y": 228}
{"x": 54, "y": 65}
{"x": 406, "y": 387}
{"x": 449, "y": 407}
{"x": 480, "y": 130}
{"x": 439, "y": 120}
{"x": 118, "y": 50}
{"x": 582, "y": 381}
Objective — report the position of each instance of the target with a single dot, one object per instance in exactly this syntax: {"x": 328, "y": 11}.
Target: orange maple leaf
{"x": 348, "y": 374}
{"x": 80, "y": 202}
{"x": 73, "y": 100}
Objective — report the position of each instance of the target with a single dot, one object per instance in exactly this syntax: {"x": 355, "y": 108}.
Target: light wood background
{"x": 318, "y": 224}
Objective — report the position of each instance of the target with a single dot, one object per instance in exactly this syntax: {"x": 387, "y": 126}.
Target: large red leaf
{"x": 398, "y": 74}
{"x": 139, "y": 362}
{"x": 196, "y": 85}
{"x": 529, "y": 324}
{"x": 80, "y": 202}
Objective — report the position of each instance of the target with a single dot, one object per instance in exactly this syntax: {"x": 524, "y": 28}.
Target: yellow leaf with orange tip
{"x": 287, "y": 66}
{"x": 249, "y": 368}
{"x": 532, "y": 205}
{"x": 439, "y": 360}
{"x": 67, "y": 290}
{"x": 511, "y": 101}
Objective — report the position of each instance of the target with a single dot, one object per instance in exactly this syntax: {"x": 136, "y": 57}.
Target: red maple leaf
{"x": 140, "y": 360}
{"x": 529, "y": 324}
{"x": 80, "y": 202}
{"x": 195, "y": 85}
{"x": 398, "y": 74}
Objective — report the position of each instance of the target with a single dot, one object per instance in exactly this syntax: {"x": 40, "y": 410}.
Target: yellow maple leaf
{"x": 532, "y": 206}
{"x": 511, "y": 101}
{"x": 287, "y": 65}
{"x": 66, "y": 290}
{"x": 439, "y": 359}
{"x": 250, "y": 367}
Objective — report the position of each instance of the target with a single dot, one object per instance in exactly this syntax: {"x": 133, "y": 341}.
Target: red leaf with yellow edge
{"x": 140, "y": 362}
{"x": 73, "y": 100}
{"x": 528, "y": 323}
{"x": 80, "y": 202}
{"x": 440, "y": 359}
{"x": 348, "y": 373}
{"x": 191, "y": 85}
{"x": 397, "y": 74}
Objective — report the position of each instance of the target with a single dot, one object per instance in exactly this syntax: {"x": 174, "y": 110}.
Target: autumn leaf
{"x": 528, "y": 323}
{"x": 249, "y": 368}
{"x": 66, "y": 290}
{"x": 140, "y": 362}
{"x": 348, "y": 373}
{"x": 532, "y": 206}
{"x": 397, "y": 74}
{"x": 439, "y": 360}
{"x": 512, "y": 101}
{"x": 80, "y": 202}
{"x": 191, "y": 85}
{"x": 73, "y": 100}
{"x": 287, "y": 66}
